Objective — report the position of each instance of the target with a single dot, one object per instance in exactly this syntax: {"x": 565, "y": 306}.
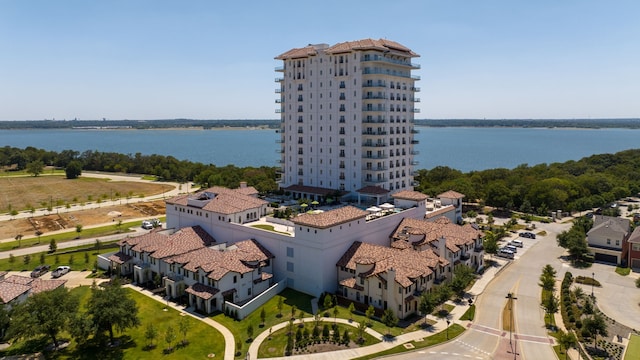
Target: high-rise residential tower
{"x": 347, "y": 114}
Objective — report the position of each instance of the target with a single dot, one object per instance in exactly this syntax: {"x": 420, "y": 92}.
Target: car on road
{"x": 528, "y": 235}
{"x": 39, "y": 270}
{"x": 59, "y": 271}
{"x": 505, "y": 253}
{"x": 147, "y": 225}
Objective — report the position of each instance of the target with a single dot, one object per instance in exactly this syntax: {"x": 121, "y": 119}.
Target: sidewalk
{"x": 229, "y": 342}
{"x": 386, "y": 343}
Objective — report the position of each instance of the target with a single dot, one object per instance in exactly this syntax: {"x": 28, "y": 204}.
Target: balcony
{"x": 278, "y": 91}
{"x": 415, "y": 152}
{"x": 377, "y": 58}
{"x": 376, "y": 156}
{"x": 375, "y": 84}
{"x": 414, "y": 142}
{"x": 372, "y": 108}
{"x": 374, "y": 97}
{"x": 415, "y": 131}
{"x": 439, "y": 280}
{"x": 415, "y": 89}
{"x": 374, "y": 133}
{"x": 279, "y": 68}
{"x": 478, "y": 249}
{"x": 372, "y": 144}
{"x": 279, "y": 111}
{"x": 279, "y": 79}
{"x": 415, "y": 110}
{"x": 415, "y": 162}
{"x": 415, "y": 99}
{"x": 375, "y": 168}
{"x": 280, "y": 151}
{"x": 279, "y": 141}
{"x": 376, "y": 180}
{"x": 379, "y": 120}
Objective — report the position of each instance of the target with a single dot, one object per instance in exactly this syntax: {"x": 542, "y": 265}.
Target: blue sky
{"x": 143, "y": 59}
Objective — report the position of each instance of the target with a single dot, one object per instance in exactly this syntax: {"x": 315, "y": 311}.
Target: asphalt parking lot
{"x": 73, "y": 278}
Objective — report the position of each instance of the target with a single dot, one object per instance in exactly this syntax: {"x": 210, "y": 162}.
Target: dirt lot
{"x": 21, "y": 193}
{"x": 69, "y": 219}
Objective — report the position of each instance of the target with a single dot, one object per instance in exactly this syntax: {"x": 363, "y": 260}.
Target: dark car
{"x": 528, "y": 235}
{"x": 39, "y": 270}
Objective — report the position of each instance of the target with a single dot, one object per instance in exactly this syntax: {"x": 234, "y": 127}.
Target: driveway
{"x": 73, "y": 278}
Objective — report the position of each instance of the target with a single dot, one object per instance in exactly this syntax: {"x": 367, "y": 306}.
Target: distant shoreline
{"x": 187, "y": 124}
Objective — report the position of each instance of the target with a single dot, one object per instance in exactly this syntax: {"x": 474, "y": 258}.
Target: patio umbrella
{"x": 314, "y": 202}
{"x": 387, "y": 206}
{"x": 374, "y": 209}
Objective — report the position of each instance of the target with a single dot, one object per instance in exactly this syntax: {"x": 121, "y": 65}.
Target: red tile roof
{"x": 119, "y": 258}
{"x": 9, "y": 291}
{"x": 161, "y": 245}
{"x": 330, "y": 218}
{"x": 410, "y": 195}
{"x": 371, "y": 44}
{"x": 451, "y": 195}
{"x": 239, "y": 258}
{"x": 225, "y": 201}
{"x": 202, "y": 291}
{"x": 15, "y": 285}
{"x": 39, "y": 285}
{"x": 454, "y": 235}
{"x": 408, "y": 263}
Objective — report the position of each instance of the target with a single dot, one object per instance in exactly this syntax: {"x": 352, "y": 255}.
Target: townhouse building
{"x": 607, "y": 239}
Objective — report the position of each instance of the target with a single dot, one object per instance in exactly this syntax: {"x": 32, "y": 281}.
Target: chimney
{"x": 442, "y": 247}
{"x": 243, "y": 184}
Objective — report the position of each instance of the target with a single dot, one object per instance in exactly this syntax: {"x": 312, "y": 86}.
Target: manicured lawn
{"x": 469, "y": 314}
{"x": 276, "y": 346}
{"x": 203, "y": 339}
{"x": 269, "y": 228}
{"x": 454, "y": 330}
{"x": 289, "y": 297}
{"x": 74, "y": 257}
{"x": 633, "y": 349}
{"x": 623, "y": 271}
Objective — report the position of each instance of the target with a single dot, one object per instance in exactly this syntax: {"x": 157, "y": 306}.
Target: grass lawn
{"x": 289, "y": 297}
{"x": 203, "y": 339}
{"x": 71, "y": 235}
{"x": 633, "y": 349}
{"x": 469, "y": 314}
{"x": 454, "y": 330}
{"x": 623, "y": 271}
{"x": 276, "y": 346}
{"x": 22, "y": 193}
{"x": 269, "y": 228}
{"x": 74, "y": 257}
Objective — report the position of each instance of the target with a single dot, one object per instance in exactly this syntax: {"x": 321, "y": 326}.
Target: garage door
{"x": 635, "y": 263}
{"x": 607, "y": 258}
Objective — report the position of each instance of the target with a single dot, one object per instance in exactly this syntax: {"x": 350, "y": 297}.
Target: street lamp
{"x": 448, "y": 322}
{"x": 593, "y": 280}
{"x": 511, "y": 298}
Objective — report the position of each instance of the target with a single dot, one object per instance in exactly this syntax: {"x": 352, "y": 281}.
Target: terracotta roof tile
{"x": 225, "y": 201}
{"x": 330, "y": 218}
{"x": 410, "y": 195}
{"x": 202, "y": 291}
{"x": 119, "y": 258}
{"x": 162, "y": 245}
{"x": 407, "y": 263}
{"x": 451, "y": 195}
{"x": 431, "y": 231}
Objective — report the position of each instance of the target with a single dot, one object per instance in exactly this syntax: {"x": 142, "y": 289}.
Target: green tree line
{"x": 165, "y": 168}
{"x": 591, "y": 182}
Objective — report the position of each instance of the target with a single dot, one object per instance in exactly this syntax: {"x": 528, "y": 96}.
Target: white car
{"x": 59, "y": 271}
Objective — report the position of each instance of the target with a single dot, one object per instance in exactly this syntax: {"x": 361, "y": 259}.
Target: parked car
{"x": 516, "y": 243}
{"x": 59, "y": 271}
{"x": 39, "y": 271}
{"x": 528, "y": 235}
{"x": 147, "y": 225}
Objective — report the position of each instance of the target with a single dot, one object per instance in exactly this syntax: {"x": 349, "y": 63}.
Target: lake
{"x": 461, "y": 148}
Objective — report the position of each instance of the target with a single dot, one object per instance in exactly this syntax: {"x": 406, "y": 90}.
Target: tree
{"x": 490, "y": 243}
{"x": 551, "y": 304}
{"x": 27, "y": 259}
{"x": 428, "y": 303}
{"x": 293, "y": 311}
{"x": 53, "y": 246}
{"x": 462, "y": 276}
{"x": 112, "y": 307}
{"x": 42, "y": 259}
{"x": 46, "y": 313}
{"x": 547, "y": 283}
{"x": 345, "y": 337}
{"x": 79, "y": 229}
{"x": 169, "y": 337}
{"x": 73, "y": 169}
{"x": 12, "y": 259}
{"x": 328, "y": 302}
{"x": 362, "y": 327}
{"x": 35, "y": 168}
{"x": 5, "y": 321}
{"x": 184, "y": 326}
{"x": 19, "y": 239}
{"x": 389, "y": 319}
{"x": 150, "y": 333}
{"x": 263, "y": 316}
{"x": 279, "y": 306}
{"x": 595, "y": 326}
{"x": 567, "y": 340}
{"x": 81, "y": 328}
{"x": 250, "y": 332}
{"x": 548, "y": 270}
{"x": 351, "y": 309}
{"x": 369, "y": 313}
{"x": 335, "y": 314}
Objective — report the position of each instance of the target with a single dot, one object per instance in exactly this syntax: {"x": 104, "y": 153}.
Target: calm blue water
{"x": 464, "y": 149}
